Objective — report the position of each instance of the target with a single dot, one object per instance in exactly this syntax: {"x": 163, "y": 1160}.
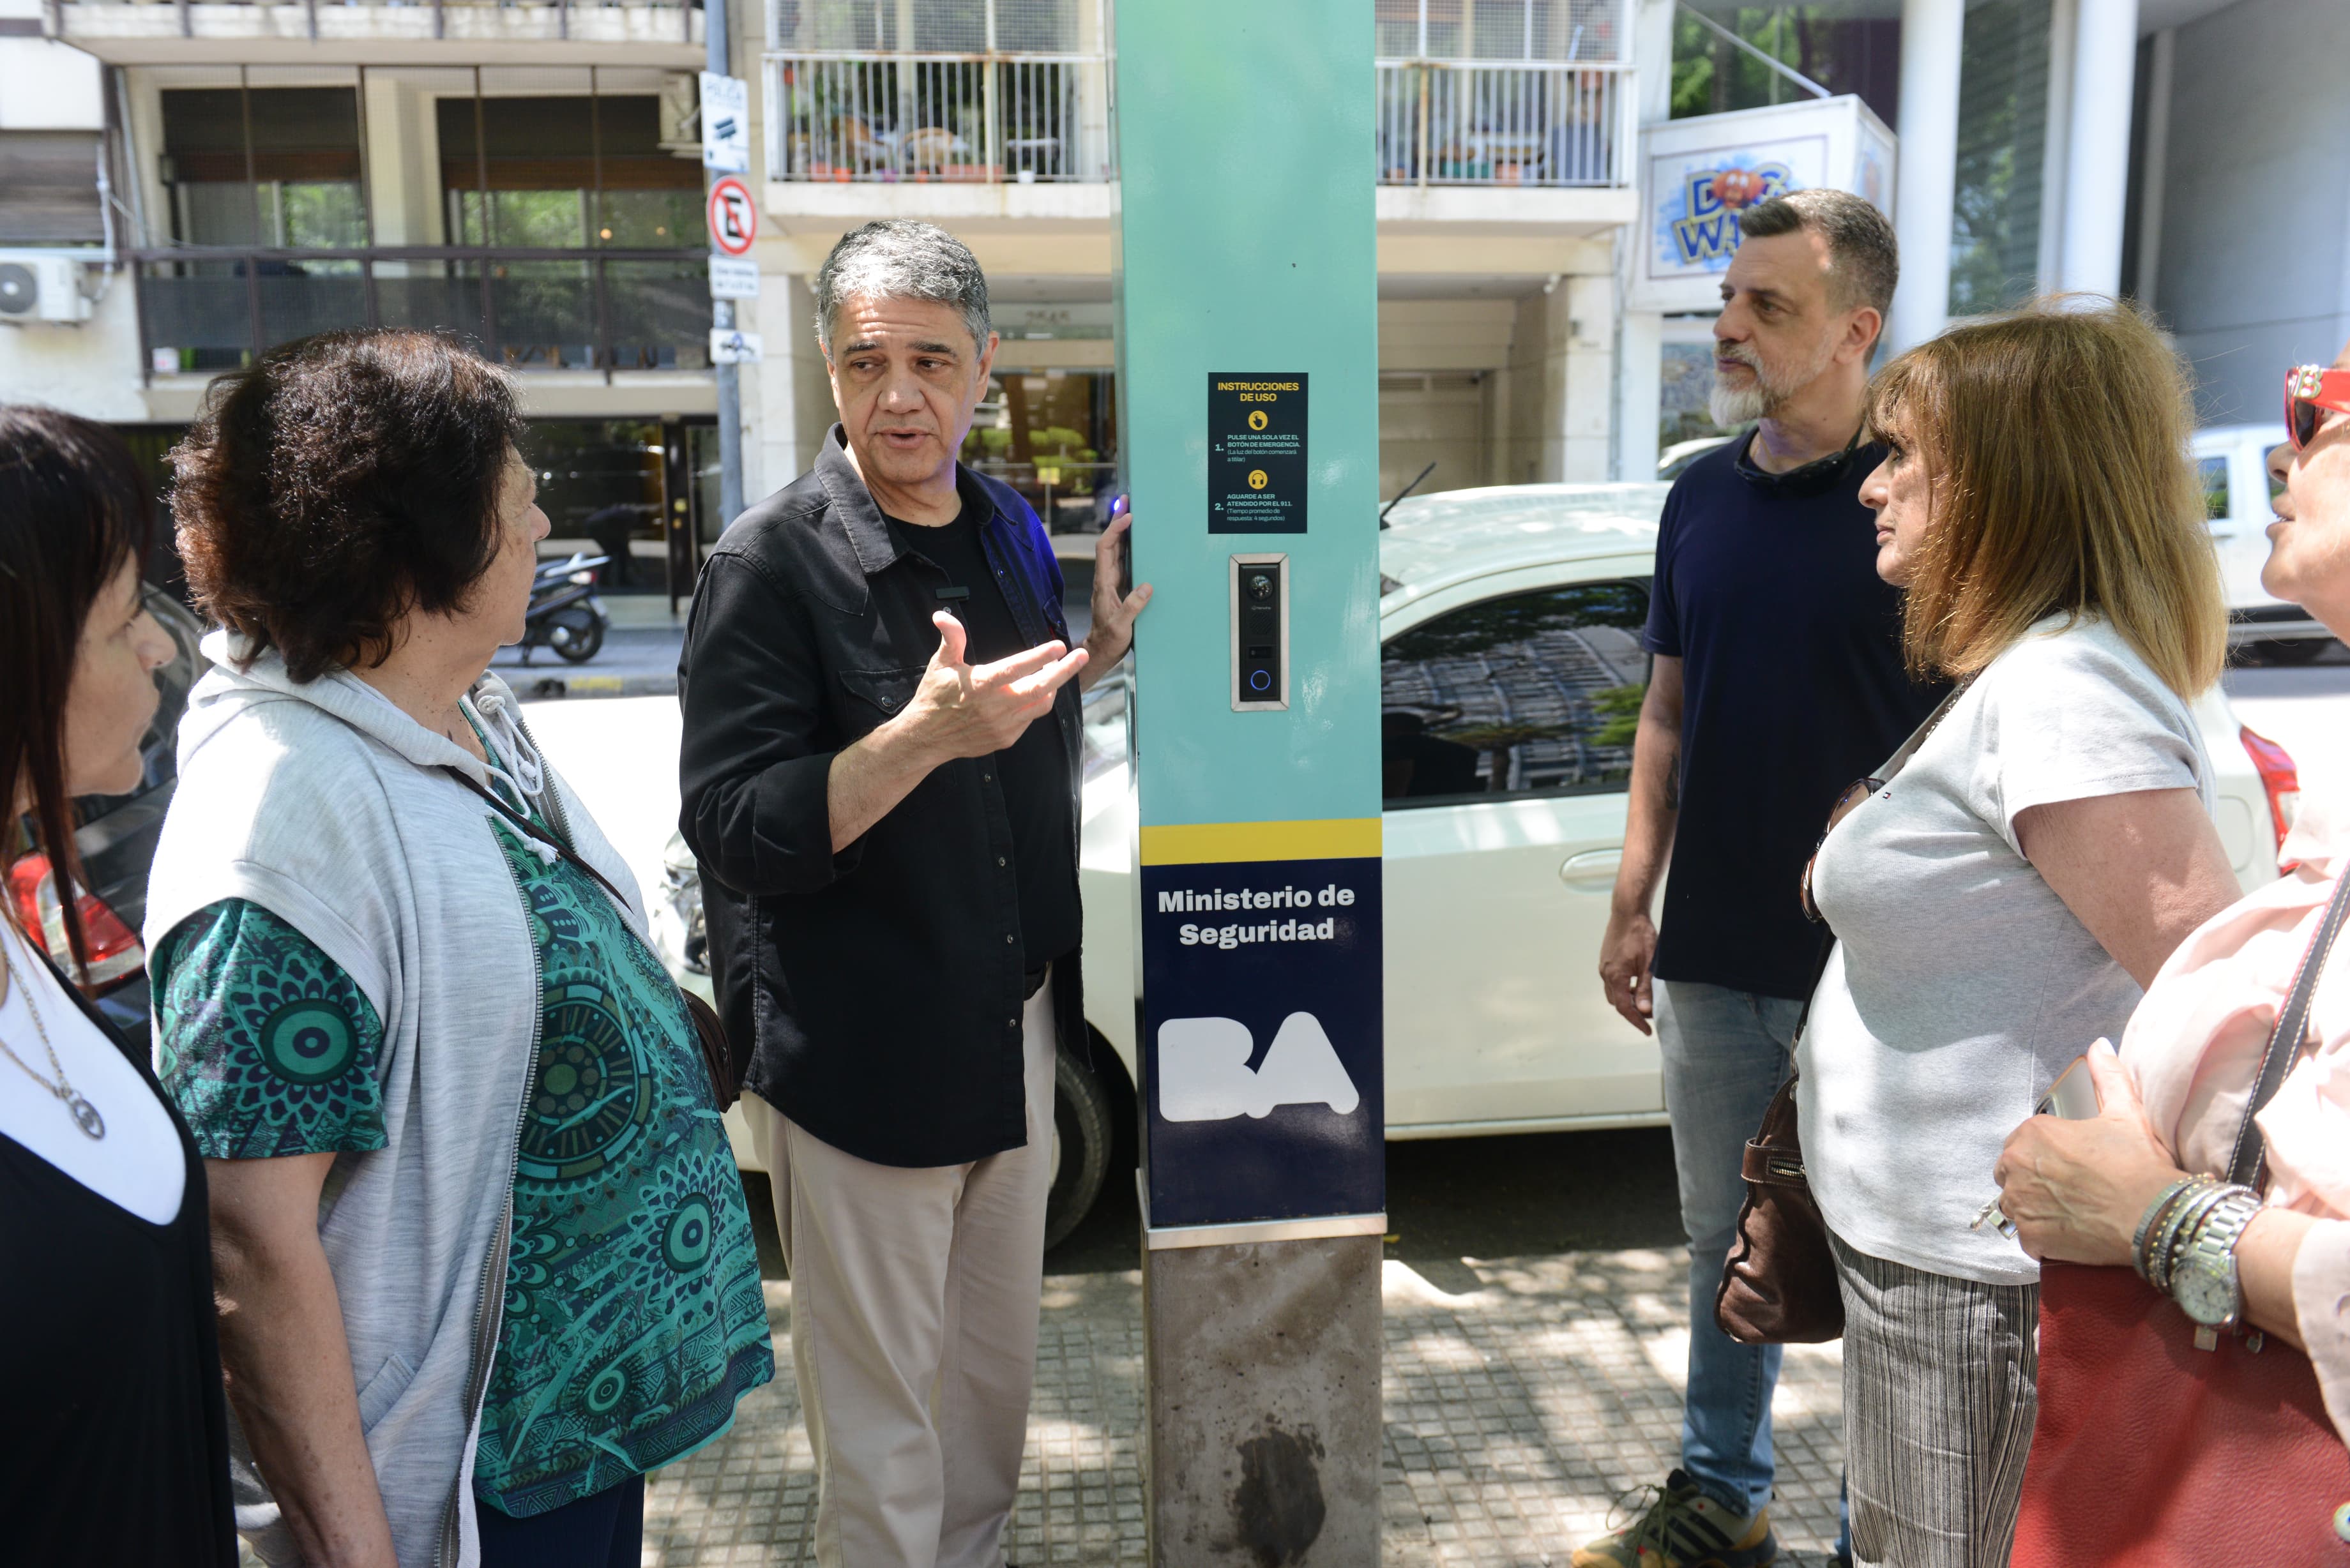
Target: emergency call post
{"x": 1246, "y": 284}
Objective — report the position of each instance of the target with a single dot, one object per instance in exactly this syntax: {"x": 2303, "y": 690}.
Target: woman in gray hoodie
{"x": 482, "y": 1249}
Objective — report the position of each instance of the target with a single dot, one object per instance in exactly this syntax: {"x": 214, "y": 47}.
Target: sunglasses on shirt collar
{"x": 2311, "y": 392}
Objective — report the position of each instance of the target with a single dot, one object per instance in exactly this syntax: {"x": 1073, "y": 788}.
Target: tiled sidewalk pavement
{"x": 1525, "y": 1398}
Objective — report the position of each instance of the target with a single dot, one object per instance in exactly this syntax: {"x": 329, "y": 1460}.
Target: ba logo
{"x": 1204, "y": 1074}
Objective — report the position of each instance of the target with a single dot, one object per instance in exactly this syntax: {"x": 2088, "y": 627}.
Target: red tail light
{"x": 115, "y": 953}
{"x": 2280, "y": 776}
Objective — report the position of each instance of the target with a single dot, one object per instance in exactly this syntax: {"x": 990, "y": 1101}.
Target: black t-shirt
{"x": 1033, "y": 772}
{"x": 1766, "y": 589}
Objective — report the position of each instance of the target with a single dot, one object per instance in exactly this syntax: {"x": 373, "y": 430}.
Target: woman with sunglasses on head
{"x": 2001, "y": 893}
{"x": 2255, "y": 1244}
{"x": 114, "y": 1450}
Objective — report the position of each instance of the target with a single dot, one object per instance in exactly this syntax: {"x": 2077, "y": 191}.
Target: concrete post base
{"x": 1263, "y": 1384}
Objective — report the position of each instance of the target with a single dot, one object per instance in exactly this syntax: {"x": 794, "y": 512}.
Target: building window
{"x": 277, "y": 167}
{"x": 48, "y": 188}
{"x": 2003, "y": 141}
{"x": 1052, "y": 435}
{"x": 1843, "y": 53}
{"x": 566, "y": 172}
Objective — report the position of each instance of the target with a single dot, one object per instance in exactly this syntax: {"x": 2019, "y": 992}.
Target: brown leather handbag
{"x": 1779, "y": 1285}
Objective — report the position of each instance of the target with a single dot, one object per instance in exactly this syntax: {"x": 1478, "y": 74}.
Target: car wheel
{"x": 1083, "y": 1131}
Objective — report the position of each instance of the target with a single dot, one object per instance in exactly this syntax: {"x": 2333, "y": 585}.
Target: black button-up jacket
{"x": 883, "y": 985}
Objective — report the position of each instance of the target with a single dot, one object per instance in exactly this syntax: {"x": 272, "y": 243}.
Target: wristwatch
{"x": 2204, "y": 1281}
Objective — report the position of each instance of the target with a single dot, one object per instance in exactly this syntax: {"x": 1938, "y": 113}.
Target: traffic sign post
{"x": 734, "y": 277}
{"x": 1248, "y": 386}
{"x": 725, "y": 96}
{"x": 730, "y": 345}
{"x": 725, "y": 124}
{"x": 733, "y": 217}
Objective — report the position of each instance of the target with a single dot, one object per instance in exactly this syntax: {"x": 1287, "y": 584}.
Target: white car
{"x": 2233, "y": 462}
{"x": 1512, "y": 674}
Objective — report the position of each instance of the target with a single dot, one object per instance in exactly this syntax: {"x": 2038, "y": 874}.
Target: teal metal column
{"x": 1248, "y": 389}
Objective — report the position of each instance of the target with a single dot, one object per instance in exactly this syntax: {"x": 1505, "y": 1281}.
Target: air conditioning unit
{"x": 35, "y": 286}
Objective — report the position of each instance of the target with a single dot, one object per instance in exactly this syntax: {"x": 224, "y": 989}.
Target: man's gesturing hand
{"x": 1113, "y": 622}
{"x": 960, "y": 709}
{"x": 964, "y": 709}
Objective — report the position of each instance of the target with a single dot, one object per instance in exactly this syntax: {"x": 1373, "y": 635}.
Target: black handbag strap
{"x": 2249, "y": 1168}
{"x": 527, "y": 826}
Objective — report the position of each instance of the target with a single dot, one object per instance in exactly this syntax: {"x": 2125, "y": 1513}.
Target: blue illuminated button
{"x": 1260, "y": 680}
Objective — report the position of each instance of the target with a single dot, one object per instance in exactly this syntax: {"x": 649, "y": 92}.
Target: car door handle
{"x": 1593, "y": 871}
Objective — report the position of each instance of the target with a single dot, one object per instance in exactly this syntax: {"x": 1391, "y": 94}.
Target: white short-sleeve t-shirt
{"x": 1960, "y": 984}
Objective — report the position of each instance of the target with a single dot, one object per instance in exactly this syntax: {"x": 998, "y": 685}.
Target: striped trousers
{"x": 1939, "y": 1400}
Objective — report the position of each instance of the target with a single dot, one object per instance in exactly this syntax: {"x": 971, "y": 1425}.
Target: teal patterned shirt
{"x": 633, "y": 1317}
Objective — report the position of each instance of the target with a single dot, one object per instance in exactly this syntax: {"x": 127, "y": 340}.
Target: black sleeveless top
{"x": 113, "y": 1431}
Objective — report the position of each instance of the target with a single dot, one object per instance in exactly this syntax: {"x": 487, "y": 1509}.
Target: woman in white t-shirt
{"x": 2006, "y": 892}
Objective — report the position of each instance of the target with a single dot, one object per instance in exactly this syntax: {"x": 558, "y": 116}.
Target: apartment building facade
{"x": 183, "y": 185}
{"x": 1501, "y": 152}
{"x": 527, "y": 175}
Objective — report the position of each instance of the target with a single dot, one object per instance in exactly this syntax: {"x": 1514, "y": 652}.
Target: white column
{"x": 2055, "y": 161}
{"x": 2156, "y": 174}
{"x": 1931, "y": 34}
{"x": 1581, "y": 309}
{"x": 2096, "y": 177}
{"x": 1640, "y": 334}
{"x": 1640, "y": 393}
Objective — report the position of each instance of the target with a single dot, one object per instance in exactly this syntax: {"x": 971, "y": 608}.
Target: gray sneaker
{"x": 1682, "y": 1528}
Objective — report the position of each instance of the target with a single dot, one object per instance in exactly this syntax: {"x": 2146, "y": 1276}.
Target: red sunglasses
{"x": 2310, "y": 392}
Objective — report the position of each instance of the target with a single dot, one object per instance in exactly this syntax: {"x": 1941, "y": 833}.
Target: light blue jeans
{"x": 1725, "y": 1054}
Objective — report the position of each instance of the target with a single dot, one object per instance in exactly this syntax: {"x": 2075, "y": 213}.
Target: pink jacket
{"x": 2194, "y": 1045}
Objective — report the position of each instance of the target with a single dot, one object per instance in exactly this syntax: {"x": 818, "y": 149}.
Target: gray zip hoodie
{"x": 327, "y": 805}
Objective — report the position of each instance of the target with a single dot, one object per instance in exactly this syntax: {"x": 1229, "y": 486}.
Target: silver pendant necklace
{"x": 85, "y": 1115}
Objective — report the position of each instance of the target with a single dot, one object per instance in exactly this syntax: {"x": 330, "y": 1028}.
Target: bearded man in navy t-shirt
{"x": 1777, "y": 681}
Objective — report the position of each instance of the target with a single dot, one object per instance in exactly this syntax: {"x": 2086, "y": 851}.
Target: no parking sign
{"x": 733, "y": 217}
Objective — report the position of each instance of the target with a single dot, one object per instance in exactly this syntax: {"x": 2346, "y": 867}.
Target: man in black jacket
{"x": 880, "y": 778}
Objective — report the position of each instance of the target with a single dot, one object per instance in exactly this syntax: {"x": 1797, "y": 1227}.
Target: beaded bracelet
{"x": 2155, "y": 1231}
{"x": 2154, "y": 1211}
{"x": 2185, "y": 1220}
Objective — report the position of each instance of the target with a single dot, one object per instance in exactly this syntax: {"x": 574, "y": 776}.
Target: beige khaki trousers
{"x": 914, "y": 1309}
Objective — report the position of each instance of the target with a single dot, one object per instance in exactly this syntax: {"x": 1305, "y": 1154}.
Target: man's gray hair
{"x": 1864, "y": 258}
{"x": 898, "y": 258}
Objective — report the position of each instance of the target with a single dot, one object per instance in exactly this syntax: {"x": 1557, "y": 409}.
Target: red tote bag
{"x": 2151, "y": 1453}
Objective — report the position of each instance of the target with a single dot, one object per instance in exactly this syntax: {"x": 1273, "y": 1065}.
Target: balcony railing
{"x": 989, "y": 117}
{"x": 1459, "y": 122}
{"x": 971, "y": 118}
{"x": 213, "y": 309}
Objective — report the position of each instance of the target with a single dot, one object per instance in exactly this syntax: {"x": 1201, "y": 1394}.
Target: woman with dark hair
{"x": 483, "y": 1250}
{"x": 114, "y": 1450}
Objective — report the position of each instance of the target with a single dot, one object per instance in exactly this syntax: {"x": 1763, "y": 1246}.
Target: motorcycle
{"x": 566, "y": 612}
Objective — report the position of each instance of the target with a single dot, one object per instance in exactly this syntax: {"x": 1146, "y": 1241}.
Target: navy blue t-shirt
{"x": 1766, "y": 589}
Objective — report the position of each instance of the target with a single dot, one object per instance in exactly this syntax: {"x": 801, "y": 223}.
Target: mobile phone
{"x": 1117, "y": 509}
{"x": 2073, "y": 1094}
